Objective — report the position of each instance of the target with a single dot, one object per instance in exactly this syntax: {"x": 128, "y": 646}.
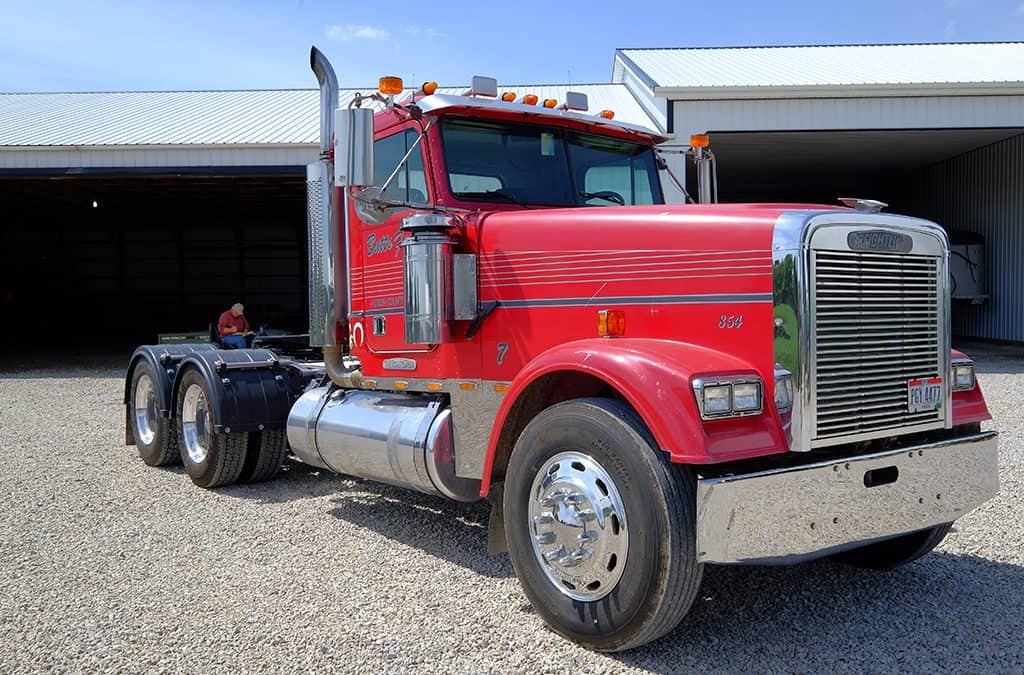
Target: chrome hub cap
{"x": 146, "y": 414}
{"x": 195, "y": 423}
{"x": 578, "y": 526}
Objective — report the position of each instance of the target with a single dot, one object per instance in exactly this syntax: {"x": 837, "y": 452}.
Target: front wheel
{"x": 601, "y": 525}
{"x": 885, "y": 555}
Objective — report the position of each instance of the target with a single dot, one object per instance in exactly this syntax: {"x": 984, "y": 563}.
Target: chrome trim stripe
{"x": 637, "y": 300}
{"x": 786, "y": 515}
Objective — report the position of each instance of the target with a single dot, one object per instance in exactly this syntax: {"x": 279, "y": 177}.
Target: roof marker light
{"x": 550, "y": 103}
{"x": 390, "y": 85}
{"x": 699, "y": 141}
{"x": 508, "y": 96}
{"x": 429, "y": 88}
{"x": 608, "y": 114}
{"x": 530, "y": 99}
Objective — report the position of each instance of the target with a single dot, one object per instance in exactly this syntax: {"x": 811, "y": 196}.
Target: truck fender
{"x": 163, "y": 361}
{"x": 654, "y": 376}
{"x": 248, "y": 388}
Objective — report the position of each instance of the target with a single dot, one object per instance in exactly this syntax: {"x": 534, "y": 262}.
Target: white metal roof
{"x": 965, "y": 65}
{"x": 189, "y": 118}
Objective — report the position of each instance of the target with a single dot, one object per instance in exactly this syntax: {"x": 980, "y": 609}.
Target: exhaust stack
{"x": 328, "y": 257}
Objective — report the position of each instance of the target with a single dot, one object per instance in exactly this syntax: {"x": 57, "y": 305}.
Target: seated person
{"x": 233, "y": 328}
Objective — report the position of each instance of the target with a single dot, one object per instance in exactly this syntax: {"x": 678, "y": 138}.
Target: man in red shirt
{"x": 234, "y": 328}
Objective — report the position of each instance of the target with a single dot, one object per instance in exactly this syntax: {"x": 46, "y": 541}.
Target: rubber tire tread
{"x": 227, "y": 451}
{"x": 892, "y": 553}
{"x": 165, "y": 449}
{"x": 265, "y": 456}
{"x": 678, "y": 487}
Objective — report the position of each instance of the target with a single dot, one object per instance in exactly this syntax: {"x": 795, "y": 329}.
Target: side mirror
{"x": 353, "y": 147}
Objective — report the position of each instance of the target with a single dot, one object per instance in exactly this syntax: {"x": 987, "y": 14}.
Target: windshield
{"x": 546, "y": 166}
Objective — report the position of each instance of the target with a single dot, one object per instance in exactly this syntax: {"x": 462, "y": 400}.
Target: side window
{"x": 626, "y": 177}
{"x": 410, "y": 185}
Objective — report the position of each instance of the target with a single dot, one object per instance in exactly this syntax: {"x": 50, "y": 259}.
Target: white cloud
{"x": 421, "y": 31}
{"x": 348, "y": 31}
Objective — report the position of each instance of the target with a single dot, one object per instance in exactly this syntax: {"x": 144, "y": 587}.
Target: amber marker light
{"x": 467, "y": 386}
{"x": 434, "y": 386}
{"x": 369, "y": 384}
{"x": 699, "y": 141}
{"x": 501, "y": 388}
{"x": 611, "y": 323}
{"x": 608, "y": 114}
{"x": 550, "y": 103}
{"x": 508, "y": 96}
{"x": 429, "y": 88}
{"x": 530, "y": 99}
{"x": 390, "y": 85}
{"x": 401, "y": 384}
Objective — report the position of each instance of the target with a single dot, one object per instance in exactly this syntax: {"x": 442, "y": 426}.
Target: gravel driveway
{"x": 110, "y": 565}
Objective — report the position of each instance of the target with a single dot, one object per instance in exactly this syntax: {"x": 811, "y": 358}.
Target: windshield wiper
{"x": 490, "y": 194}
{"x": 607, "y": 195}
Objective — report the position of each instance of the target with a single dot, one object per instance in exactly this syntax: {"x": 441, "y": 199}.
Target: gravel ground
{"x": 110, "y": 565}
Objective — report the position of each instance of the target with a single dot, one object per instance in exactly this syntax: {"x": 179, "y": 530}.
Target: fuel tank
{"x": 395, "y": 438}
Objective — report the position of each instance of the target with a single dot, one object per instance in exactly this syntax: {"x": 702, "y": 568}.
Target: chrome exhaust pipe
{"x": 328, "y": 269}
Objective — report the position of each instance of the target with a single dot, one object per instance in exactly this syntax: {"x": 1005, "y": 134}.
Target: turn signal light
{"x": 530, "y": 99}
{"x": 390, "y": 85}
{"x": 611, "y": 323}
{"x": 508, "y": 96}
{"x": 550, "y": 103}
{"x": 429, "y": 88}
{"x": 699, "y": 141}
{"x": 608, "y": 114}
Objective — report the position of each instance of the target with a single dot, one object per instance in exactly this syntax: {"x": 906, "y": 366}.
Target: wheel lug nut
{"x": 543, "y": 519}
{"x": 545, "y": 538}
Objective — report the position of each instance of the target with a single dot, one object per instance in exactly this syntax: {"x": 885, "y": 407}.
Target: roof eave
{"x": 843, "y": 91}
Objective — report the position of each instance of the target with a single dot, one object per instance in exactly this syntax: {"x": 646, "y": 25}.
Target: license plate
{"x": 924, "y": 395}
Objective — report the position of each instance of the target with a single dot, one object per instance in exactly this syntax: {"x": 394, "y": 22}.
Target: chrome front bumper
{"x": 786, "y": 515}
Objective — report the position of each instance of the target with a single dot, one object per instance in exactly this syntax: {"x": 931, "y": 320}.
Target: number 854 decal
{"x": 730, "y": 321}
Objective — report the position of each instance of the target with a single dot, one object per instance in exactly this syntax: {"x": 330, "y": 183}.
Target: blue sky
{"x": 113, "y": 44}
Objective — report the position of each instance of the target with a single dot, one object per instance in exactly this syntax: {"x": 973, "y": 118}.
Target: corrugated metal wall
{"x": 983, "y": 191}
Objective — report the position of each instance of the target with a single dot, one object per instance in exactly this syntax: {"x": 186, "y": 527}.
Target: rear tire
{"x": 885, "y": 555}
{"x": 265, "y": 456}
{"x": 211, "y": 459}
{"x": 155, "y": 436}
{"x": 588, "y": 581}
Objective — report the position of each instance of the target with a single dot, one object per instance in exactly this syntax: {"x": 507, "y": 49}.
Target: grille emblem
{"x": 879, "y": 240}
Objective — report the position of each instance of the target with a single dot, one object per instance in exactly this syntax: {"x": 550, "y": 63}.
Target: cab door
{"x": 381, "y": 277}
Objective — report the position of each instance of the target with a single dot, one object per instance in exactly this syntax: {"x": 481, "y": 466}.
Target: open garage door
{"x": 118, "y": 259}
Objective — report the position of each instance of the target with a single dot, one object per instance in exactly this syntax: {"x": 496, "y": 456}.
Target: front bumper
{"x": 787, "y": 515}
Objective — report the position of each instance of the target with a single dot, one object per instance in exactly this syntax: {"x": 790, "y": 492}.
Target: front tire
{"x": 211, "y": 459}
{"x": 601, "y": 525}
{"x": 155, "y": 436}
{"x": 885, "y": 555}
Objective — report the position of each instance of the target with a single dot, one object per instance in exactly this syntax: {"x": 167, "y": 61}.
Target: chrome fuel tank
{"x": 395, "y": 438}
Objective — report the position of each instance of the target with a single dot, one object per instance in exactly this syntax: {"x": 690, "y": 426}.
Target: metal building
{"x": 935, "y": 130}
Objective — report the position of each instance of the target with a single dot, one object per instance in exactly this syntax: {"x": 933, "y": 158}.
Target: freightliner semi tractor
{"x": 508, "y": 310}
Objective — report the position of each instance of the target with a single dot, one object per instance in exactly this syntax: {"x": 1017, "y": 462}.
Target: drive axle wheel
{"x": 601, "y": 525}
{"x": 211, "y": 459}
{"x": 154, "y": 434}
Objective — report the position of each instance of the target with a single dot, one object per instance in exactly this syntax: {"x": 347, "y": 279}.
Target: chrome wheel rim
{"x": 578, "y": 526}
{"x": 195, "y": 423}
{"x": 146, "y": 413}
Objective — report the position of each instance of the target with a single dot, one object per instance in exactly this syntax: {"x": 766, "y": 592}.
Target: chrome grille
{"x": 877, "y": 324}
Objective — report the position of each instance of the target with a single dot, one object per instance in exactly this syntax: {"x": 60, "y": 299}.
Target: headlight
{"x": 783, "y": 390}
{"x": 728, "y": 397}
{"x": 963, "y": 376}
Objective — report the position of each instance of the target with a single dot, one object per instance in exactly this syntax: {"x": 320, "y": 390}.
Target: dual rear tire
{"x": 211, "y": 459}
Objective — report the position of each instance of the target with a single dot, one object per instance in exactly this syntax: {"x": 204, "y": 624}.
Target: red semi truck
{"x": 507, "y": 309}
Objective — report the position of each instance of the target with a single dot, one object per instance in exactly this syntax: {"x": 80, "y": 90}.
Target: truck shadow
{"x": 941, "y": 613}
{"x": 452, "y": 531}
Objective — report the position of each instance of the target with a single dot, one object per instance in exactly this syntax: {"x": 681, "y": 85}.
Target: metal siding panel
{"x": 981, "y": 191}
